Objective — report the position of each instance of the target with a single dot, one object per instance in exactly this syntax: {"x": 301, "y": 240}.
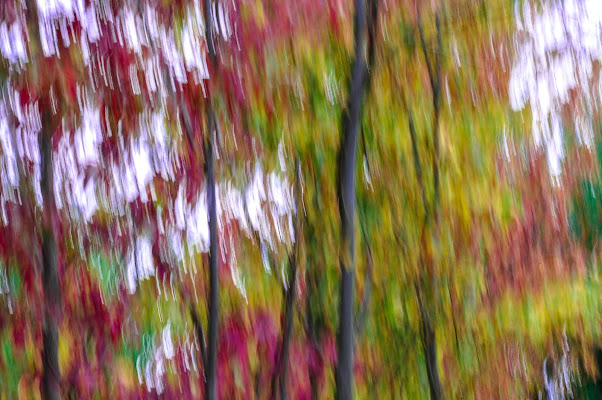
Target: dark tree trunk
{"x": 346, "y": 193}
{"x": 211, "y": 367}
{"x": 430, "y": 355}
{"x": 210, "y": 375}
{"x": 50, "y": 281}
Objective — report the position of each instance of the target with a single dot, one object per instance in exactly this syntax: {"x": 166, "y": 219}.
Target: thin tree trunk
{"x": 211, "y": 371}
{"x": 430, "y": 349}
{"x": 50, "y": 281}
{"x": 212, "y": 213}
{"x": 200, "y": 334}
{"x": 280, "y": 374}
{"x": 430, "y": 355}
{"x": 210, "y": 385}
{"x": 428, "y": 332}
{"x": 312, "y": 334}
{"x": 429, "y": 343}
{"x": 372, "y": 22}
{"x": 346, "y": 192}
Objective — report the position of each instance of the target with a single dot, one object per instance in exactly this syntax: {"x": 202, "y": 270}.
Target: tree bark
{"x": 346, "y": 193}
{"x": 50, "y": 281}
{"x": 211, "y": 370}
{"x": 210, "y": 376}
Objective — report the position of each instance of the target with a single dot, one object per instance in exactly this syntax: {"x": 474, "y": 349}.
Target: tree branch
{"x": 436, "y": 87}
{"x": 435, "y": 80}
{"x": 372, "y": 22}
{"x": 433, "y": 71}
{"x": 372, "y": 17}
{"x": 200, "y": 333}
{"x": 417, "y": 163}
{"x": 426, "y": 54}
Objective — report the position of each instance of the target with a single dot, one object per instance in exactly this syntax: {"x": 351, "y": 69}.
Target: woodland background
{"x": 243, "y": 199}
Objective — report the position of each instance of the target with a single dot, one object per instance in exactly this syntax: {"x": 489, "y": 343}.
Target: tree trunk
{"x": 311, "y": 331}
{"x": 430, "y": 355}
{"x": 428, "y": 332}
{"x": 211, "y": 371}
{"x": 281, "y": 371}
{"x": 346, "y": 192}
{"x": 210, "y": 376}
{"x": 50, "y": 281}
{"x": 282, "y": 363}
